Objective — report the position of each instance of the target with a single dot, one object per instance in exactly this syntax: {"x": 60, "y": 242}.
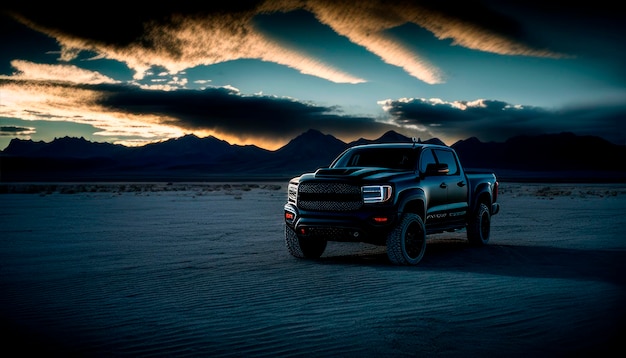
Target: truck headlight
{"x": 292, "y": 192}
{"x": 376, "y": 193}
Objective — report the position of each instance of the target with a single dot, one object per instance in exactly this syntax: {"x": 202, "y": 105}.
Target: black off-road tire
{"x": 303, "y": 248}
{"x": 479, "y": 227}
{"x": 406, "y": 244}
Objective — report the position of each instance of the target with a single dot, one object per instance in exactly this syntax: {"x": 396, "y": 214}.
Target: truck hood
{"x": 368, "y": 173}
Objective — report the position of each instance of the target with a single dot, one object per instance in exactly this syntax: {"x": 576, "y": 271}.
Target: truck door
{"x": 431, "y": 184}
{"x": 456, "y": 185}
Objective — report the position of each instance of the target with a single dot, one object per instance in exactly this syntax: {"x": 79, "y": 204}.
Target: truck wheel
{"x": 303, "y": 248}
{"x": 407, "y": 242}
{"x": 479, "y": 227}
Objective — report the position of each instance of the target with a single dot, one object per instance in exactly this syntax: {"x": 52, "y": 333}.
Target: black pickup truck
{"x": 392, "y": 194}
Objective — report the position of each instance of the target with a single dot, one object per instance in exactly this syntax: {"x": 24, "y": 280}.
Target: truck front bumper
{"x": 366, "y": 226}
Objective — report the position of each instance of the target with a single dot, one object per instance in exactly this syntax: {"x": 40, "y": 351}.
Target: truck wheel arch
{"x": 414, "y": 202}
{"x": 482, "y": 195}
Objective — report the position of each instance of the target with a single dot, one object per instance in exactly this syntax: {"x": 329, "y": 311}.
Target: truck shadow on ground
{"x": 508, "y": 260}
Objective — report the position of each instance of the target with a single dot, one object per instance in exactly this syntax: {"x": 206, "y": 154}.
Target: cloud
{"x": 186, "y": 36}
{"x": 365, "y": 23}
{"x": 237, "y": 118}
{"x": 16, "y": 131}
{"x": 66, "y": 101}
{"x": 183, "y": 41}
{"x": 491, "y": 120}
{"x": 26, "y": 70}
{"x": 138, "y": 115}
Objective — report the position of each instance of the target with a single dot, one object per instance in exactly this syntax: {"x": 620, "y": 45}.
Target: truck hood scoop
{"x": 358, "y": 172}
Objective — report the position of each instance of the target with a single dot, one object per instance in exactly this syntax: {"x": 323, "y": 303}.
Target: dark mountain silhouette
{"x": 564, "y": 156}
{"x": 66, "y": 147}
{"x": 561, "y": 157}
{"x": 387, "y": 137}
{"x": 190, "y": 154}
{"x": 311, "y": 149}
{"x": 312, "y": 143}
{"x": 394, "y": 137}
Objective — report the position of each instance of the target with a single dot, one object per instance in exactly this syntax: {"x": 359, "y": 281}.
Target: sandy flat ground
{"x": 202, "y": 270}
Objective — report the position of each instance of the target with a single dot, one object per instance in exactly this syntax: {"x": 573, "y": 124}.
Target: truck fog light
{"x": 380, "y": 219}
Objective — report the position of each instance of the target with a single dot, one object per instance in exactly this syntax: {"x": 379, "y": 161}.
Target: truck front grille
{"x": 324, "y": 196}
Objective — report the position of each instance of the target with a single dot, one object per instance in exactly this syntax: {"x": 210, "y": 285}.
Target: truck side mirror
{"x": 437, "y": 169}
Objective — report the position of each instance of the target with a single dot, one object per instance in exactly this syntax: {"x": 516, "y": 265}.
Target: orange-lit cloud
{"x": 190, "y": 41}
{"x": 61, "y": 101}
{"x": 187, "y": 41}
{"x": 365, "y": 23}
{"x": 470, "y": 35}
{"x": 30, "y": 71}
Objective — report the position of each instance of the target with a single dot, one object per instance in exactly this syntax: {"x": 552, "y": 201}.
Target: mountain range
{"x": 550, "y": 157}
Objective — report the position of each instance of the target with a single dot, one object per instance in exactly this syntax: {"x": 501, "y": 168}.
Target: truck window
{"x": 393, "y": 158}
{"x": 446, "y": 156}
{"x": 427, "y": 158}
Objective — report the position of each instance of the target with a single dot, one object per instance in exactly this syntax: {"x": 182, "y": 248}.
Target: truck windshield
{"x": 393, "y": 158}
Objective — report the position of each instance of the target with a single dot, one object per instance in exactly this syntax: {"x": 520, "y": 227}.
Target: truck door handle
{"x": 443, "y": 185}
{"x": 461, "y": 184}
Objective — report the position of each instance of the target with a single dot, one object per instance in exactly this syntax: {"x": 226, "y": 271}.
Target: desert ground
{"x": 201, "y": 269}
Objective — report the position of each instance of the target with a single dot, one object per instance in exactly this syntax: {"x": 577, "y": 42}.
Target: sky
{"x": 263, "y": 72}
